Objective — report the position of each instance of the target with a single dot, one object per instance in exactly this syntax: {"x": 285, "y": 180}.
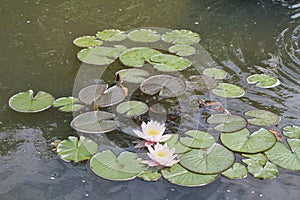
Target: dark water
{"x": 242, "y": 36}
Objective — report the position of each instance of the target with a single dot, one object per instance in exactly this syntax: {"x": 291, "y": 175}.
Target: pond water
{"x": 244, "y": 37}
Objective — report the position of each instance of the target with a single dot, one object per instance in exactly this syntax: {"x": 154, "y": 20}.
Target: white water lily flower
{"x": 152, "y": 133}
{"x": 161, "y": 156}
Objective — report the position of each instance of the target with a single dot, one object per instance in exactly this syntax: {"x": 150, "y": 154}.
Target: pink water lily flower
{"x": 152, "y": 133}
{"x": 161, "y": 156}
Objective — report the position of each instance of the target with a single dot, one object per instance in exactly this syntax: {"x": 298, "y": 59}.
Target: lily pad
{"x": 202, "y": 82}
{"x": 67, "y": 104}
{"x": 150, "y": 175}
{"x": 133, "y": 75}
{"x": 292, "y": 131}
{"x": 228, "y": 90}
{"x": 237, "y": 171}
{"x": 173, "y": 141}
{"x": 100, "y": 55}
{"x": 213, "y": 160}
{"x": 111, "y": 96}
{"x": 132, "y": 108}
{"x": 94, "y": 122}
{"x": 269, "y": 170}
{"x": 283, "y": 156}
{"x": 215, "y": 73}
{"x": 25, "y": 102}
{"x": 166, "y": 86}
{"x": 169, "y": 63}
{"x": 182, "y": 50}
{"x": 263, "y": 80}
{"x": 259, "y": 158}
{"x": 185, "y": 37}
{"x": 124, "y": 167}
{"x": 73, "y": 150}
{"x": 144, "y": 35}
{"x": 242, "y": 141}
{"x": 136, "y": 57}
{"x": 111, "y": 35}
{"x": 197, "y": 139}
{"x": 262, "y": 117}
{"x": 181, "y": 176}
{"x": 87, "y": 41}
{"x": 227, "y": 123}
{"x": 89, "y": 94}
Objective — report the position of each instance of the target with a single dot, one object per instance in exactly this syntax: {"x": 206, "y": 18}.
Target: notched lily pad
{"x": 228, "y": 90}
{"x": 73, "y": 150}
{"x": 150, "y": 175}
{"x": 201, "y": 83}
{"x": 94, "y": 122}
{"x": 173, "y": 141}
{"x": 67, "y": 104}
{"x": 262, "y": 117}
{"x": 124, "y": 167}
{"x": 169, "y": 63}
{"x": 25, "y": 102}
{"x": 166, "y": 86}
{"x": 133, "y": 75}
{"x": 87, "y": 41}
{"x": 111, "y": 35}
{"x": 269, "y": 170}
{"x": 237, "y": 171}
{"x": 197, "y": 139}
{"x": 182, "y": 50}
{"x": 132, "y": 108}
{"x": 215, "y": 73}
{"x": 89, "y": 94}
{"x": 227, "y": 123}
{"x": 185, "y": 37}
{"x": 263, "y": 80}
{"x": 292, "y": 131}
{"x": 259, "y": 158}
{"x": 144, "y": 35}
{"x": 111, "y": 96}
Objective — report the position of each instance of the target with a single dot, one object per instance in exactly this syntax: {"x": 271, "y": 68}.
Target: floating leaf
{"x": 89, "y": 94}
{"x": 292, "y": 131}
{"x": 132, "y": 108}
{"x": 215, "y": 73}
{"x": 144, "y": 35}
{"x": 182, "y": 50}
{"x": 87, "y": 41}
{"x": 166, "y": 86}
{"x": 111, "y": 96}
{"x": 269, "y": 170}
{"x": 201, "y": 83}
{"x": 181, "y": 176}
{"x": 257, "y": 158}
{"x": 228, "y": 90}
{"x": 133, "y": 75}
{"x": 173, "y": 141}
{"x": 136, "y": 57}
{"x": 185, "y": 37}
{"x": 242, "y": 141}
{"x": 288, "y": 158}
{"x": 150, "y": 175}
{"x": 227, "y": 123}
{"x": 25, "y": 102}
{"x": 169, "y": 63}
{"x": 94, "y": 122}
{"x": 237, "y": 171}
{"x": 67, "y": 104}
{"x": 73, "y": 150}
{"x": 124, "y": 167}
{"x": 213, "y": 160}
{"x": 262, "y": 117}
{"x": 100, "y": 55}
{"x": 197, "y": 139}
{"x": 263, "y": 80}
{"x": 111, "y": 35}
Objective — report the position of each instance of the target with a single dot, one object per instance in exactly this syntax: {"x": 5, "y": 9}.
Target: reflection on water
{"x": 244, "y": 37}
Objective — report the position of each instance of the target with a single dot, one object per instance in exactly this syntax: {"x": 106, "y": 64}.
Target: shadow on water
{"x": 244, "y": 37}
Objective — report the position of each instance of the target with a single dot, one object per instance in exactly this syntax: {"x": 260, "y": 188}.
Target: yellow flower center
{"x": 162, "y": 153}
{"x": 153, "y": 132}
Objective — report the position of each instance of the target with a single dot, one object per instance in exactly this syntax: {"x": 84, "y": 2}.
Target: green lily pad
{"x": 185, "y": 37}
{"x": 89, "y": 94}
{"x": 182, "y": 50}
{"x": 144, "y": 35}
{"x": 124, "y": 167}
{"x": 87, "y": 41}
{"x": 150, "y": 175}
{"x": 259, "y": 158}
{"x": 237, "y": 171}
{"x": 201, "y": 82}
{"x": 263, "y": 80}
{"x": 213, "y": 160}
{"x": 111, "y": 96}
{"x": 197, "y": 139}
{"x": 227, "y": 123}
{"x": 228, "y": 90}
{"x": 262, "y": 117}
{"x": 136, "y": 57}
{"x": 173, "y": 142}
{"x": 100, "y": 55}
{"x": 73, "y": 150}
{"x": 269, "y": 170}
{"x": 166, "y": 86}
{"x": 67, "y": 104}
{"x": 111, "y": 35}
{"x": 215, "y": 73}
{"x": 94, "y": 122}
{"x": 285, "y": 157}
{"x": 181, "y": 176}
{"x": 133, "y": 75}
{"x": 169, "y": 63}
{"x": 25, "y": 102}
{"x": 132, "y": 108}
{"x": 242, "y": 141}
{"x": 292, "y": 131}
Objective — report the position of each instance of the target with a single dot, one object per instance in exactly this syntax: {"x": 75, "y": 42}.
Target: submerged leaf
{"x": 262, "y": 117}
{"x": 144, "y": 35}
{"x": 228, "y": 90}
{"x": 201, "y": 82}
{"x": 237, "y": 171}
{"x": 169, "y": 63}
{"x": 87, "y": 41}
{"x": 185, "y": 37}
{"x": 182, "y": 50}
{"x": 263, "y": 80}
{"x": 111, "y": 35}
{"x": 133, "y": 75}
{"x": 215, "y": 73}
{"x": 132, "y": 108}
{"x": 227, "y": 123}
